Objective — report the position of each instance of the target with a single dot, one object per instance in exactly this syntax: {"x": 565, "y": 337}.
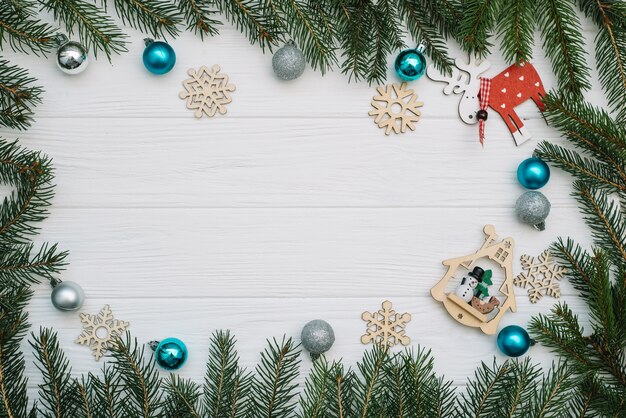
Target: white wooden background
{"x": 293, "y": 206}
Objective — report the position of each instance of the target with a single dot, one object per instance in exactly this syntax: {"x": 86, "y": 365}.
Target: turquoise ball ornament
{"x": 158, "y": 57}
{"x": 533, "y": 173}
{"x": 171, "y": 354}
{"x": 514, "y": 341}
{"x": 411, "y": 64}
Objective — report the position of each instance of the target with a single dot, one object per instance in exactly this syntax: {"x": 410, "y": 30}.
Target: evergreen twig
{"x": 18, "y": 96}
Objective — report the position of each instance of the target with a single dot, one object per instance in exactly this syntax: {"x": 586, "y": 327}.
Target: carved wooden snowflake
{"x": 99, "y": 329}
{"x": 395, "y": 108}
{"x": 207, "y": 91}
{"x": 542, "y": 275}
{"x": 386, "y": 326}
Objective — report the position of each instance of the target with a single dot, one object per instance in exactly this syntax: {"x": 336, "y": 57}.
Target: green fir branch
{"x": 563, "y": 43}
{"x": 479, "y": 20}
{"x": 59, "y": 397}
{"x": 20, "y": 264}
{"x": 515, "y": 29}
{"x": 141, "y": 384}
{"x": 369, "y": 388}
{"x": 18, "y": 96}
{"x": 182, "y": 398}
{"x": 386, "y": 37}
{"x": 96, "y": 30}
{"x": 105, "y": 392}
{"x": 156, "y": 17}
{"x": 483, "y": 395}
{"x": 553, "y": 399}
{"x": 610, "y": 17}
{"x": 252, "y": 18}
{"x": 317, "y": 397}
{"x": 24, "y": 33}
{"x": 355, "y": 23}
{"x": 445, "y": 14}
{"x": 226, "y": 384}
{"x": 342, "y": 393}
{"x": 199, "y": 15}
{"x": 273, "y": 386}
{"x": 524, "y": 377}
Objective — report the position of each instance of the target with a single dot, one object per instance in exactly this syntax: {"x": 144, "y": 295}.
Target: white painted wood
{"x": 294, "y": 206}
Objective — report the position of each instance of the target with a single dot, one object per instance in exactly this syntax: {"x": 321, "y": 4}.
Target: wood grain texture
{"x": 293, "y": 206}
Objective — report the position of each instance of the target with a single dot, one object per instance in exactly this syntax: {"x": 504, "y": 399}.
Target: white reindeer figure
{"x": 466, "y": 83}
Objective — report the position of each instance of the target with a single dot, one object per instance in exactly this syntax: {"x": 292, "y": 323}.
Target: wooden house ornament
{"x": 471, "y": 314}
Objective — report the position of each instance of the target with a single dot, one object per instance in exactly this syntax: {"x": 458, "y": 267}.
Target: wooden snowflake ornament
{"x": 541, "y": 276}
{"x": 386, "y": 326}
{"x": 99, "y": 329}
{"x": 395, "y": 108}
{"x": 207, "y": 91}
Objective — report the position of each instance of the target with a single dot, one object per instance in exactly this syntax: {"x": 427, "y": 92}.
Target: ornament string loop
{"x": 60, "y": 39}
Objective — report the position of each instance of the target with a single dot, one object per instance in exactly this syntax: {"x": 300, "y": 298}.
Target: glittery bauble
{"x": 171, "y": 354}
{"x": 514, "y": 341}
{"x": 533, "y": 173}
{"x": 158, "y": 57}
{"x": 317, "y": 337}
{"x": 67, "y": 296}
{"x": 411, "y": 64}
{"x": 72, "y": 58}
{"x": 288, "y": 62}
{"x": 533, "y": 208}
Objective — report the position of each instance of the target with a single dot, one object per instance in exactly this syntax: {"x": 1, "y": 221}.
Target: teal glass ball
{"x": 410, "y": 64}
{"x": 171, "y": 354}
{"x": 513, "y": 341}
{"x": 533, "y": 173}
{"x": 159, "y": 57}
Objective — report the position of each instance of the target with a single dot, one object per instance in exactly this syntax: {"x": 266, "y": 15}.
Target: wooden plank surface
{"x": 292, "y": 207}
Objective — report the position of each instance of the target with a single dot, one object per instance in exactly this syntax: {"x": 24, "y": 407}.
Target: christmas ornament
{"x": 533, "y": 173}
{"x": 504, "y": 92}
{"x": 72, "y": 56}
{"x": 317, "y": 337}
{"x": 67, "y": 296}
{"x": 533, "y": 208}
{"x": 464, "y": 80}
{"x": 170, "y": 354}
{"x": 99, "y": 329}
{"x": 514, "y": 341}
{"x": 208, "y": 92}
{"x": 541, "y": 276}
{"x": 386, "y": 326}
{"x": 288, "y": 62}
{"x": 470, "y": 304}
{"x": 395, "y": 108}
{"x": 158, "y": 57}
{"x": 410, "y": 64}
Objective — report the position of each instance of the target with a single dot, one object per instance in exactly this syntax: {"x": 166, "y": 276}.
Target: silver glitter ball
{"x": 67, "y": 296}
{"x": 533, "y": 208}
{"x": 72, "y": 58}
{"x": 317, "y": 337}
{"x": 288, "y": 62}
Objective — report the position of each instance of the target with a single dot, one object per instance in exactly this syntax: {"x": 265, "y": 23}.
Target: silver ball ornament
{"x": 67, "y": 296}
{"x": 317, "y": 337}
{"x": 288, "y": 62}
{"x": 533, "y": 208}
{"x": 72, "y": 58}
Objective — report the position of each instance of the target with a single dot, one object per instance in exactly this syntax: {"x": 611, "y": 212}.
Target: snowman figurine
{"x": 466, "y": 289}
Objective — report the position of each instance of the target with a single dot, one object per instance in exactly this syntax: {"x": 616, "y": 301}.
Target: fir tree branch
{"x": 515, "y": 29}
{"x": 316, "y": 397}
{"x": 386, "y": 37}
{"x": 58, "y": 391}
{"x": 610, "y": 17}
{"x": 13, "y": 327}
{"x": 198, "y": 14}
{"x": 155, "y": 17}
{"x": 355, "y": 43}
{"x": 250, "y": 17}
{"x": 370, "y": 382}
{"x": 524, "y": 377}
{"x": 479, "y": 19}
{"x": 182, "y": 398}
{"x": 19, "y": 265}
{"x": 18, "y": 96}
{"x": 273, "y": 384}
{"x": 446, "y": 14}
{"x": 96, "y": 29}
{"x": 563, "y": 43}
{"x": 554, "y": 395}
{"x": 24, "y": 33}
{"x": 484, "y": 393}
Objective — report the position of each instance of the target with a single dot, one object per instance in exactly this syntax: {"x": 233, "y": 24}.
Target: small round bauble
{"x": 158, "y": 57}
{"x": 317, "y": 337}
{"x": 171, "y": 354}
{"x": 67, "y": 296}
{"x": 533, "y": 173}
{"x": 72, "y": 58}
{"x": 410, "y": 64}
{"x": 288, "y": 62}
{"x": 514, "y": 341}
{"x": 533, "y": 208}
